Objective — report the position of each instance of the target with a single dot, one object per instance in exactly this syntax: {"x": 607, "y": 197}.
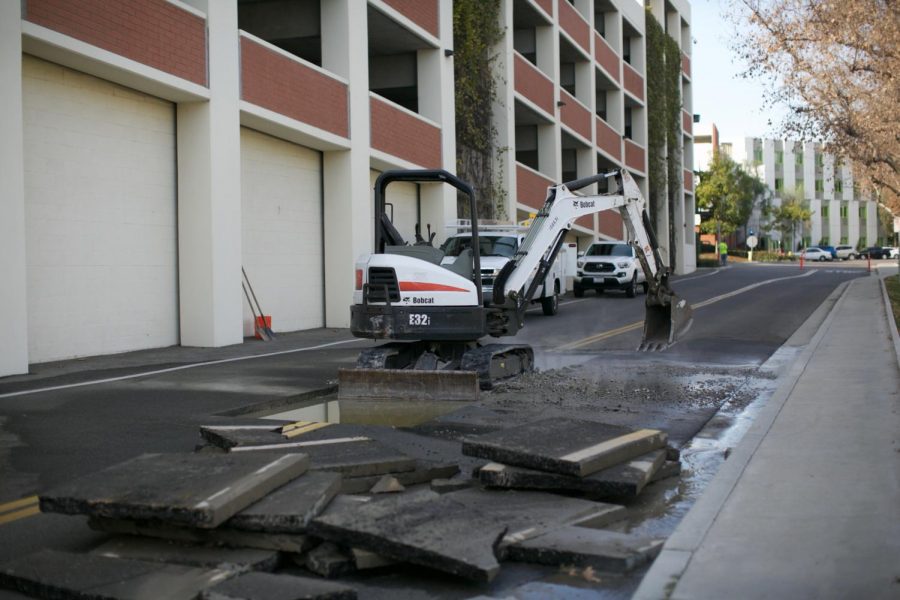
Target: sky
{"x": 735, "y": 105}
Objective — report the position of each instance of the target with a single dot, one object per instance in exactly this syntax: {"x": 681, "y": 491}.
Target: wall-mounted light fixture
{"x": 448, "y": 52}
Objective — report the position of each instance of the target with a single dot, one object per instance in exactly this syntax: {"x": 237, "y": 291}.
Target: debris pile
{"x": 275, "y": 510}
{"x": 598, "y": 460}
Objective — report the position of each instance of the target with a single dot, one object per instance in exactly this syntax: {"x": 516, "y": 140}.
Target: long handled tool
{"x": 259, "y": 331}
{"x": 261, "y": 327}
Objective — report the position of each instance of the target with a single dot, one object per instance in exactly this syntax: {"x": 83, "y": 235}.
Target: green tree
{"x": 728, "y": 193}
{"x": 787, "y": 217}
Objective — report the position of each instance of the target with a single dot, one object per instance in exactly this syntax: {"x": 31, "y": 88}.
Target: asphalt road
{"x": 743, "y": 314}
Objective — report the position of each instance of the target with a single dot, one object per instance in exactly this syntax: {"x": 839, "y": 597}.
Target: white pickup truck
{"x": 497, "y": 245}
{"x": 609, "y": 265}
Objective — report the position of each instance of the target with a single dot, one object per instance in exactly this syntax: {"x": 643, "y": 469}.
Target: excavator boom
{"x": 668, "y": 317}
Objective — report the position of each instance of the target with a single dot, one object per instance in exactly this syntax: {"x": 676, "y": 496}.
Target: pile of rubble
{"x": 275, "y": 511}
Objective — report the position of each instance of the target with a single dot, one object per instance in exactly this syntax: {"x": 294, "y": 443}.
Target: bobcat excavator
{"x": 435, "y": 315}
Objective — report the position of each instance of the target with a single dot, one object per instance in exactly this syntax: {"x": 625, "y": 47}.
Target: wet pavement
{"x": 704, "y": 393}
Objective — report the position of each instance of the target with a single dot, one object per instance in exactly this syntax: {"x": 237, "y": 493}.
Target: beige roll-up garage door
{"x": 281, "y": 211}
{"x": 100, "y": 194}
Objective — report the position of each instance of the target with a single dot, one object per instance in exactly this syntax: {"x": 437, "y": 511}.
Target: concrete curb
{"x": 673, "y": 561}
{"x": 890, "y": 318}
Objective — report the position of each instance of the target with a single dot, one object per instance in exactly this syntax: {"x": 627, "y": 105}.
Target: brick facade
{"x": 608, "y": 139}
{"x": 533, "y": 84}
{"x": 634, "y": 156}
{"x": 400, "y": 134}
{"x": 292, "y": 89}
{"x": 423, "y": 13}
{"x": 633, "y": 81}
{"x": 574, "y": 115}
{"x": 574, "y": 24}
{"x": 532, "y": 188}
{"x": 152, "y": 32}
{"x": 606, "y": 56}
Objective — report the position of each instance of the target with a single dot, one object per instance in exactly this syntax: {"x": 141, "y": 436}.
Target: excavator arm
{"x": 668, "y": 316}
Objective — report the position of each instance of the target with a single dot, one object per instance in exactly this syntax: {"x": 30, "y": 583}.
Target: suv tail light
{"x": 359, "y": 279}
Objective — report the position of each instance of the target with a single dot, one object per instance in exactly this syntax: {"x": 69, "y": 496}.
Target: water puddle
{"x": 662, "y": 505}
{"x": 390, "y": 413}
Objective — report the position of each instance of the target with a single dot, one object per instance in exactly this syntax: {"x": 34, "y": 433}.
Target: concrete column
{"x": 504, "y": 110}
{"x": 13, "y": 295}
{"x": 436, "y": 74}
{"x": 349, "y": 208}
{"x": 209, "y": 194}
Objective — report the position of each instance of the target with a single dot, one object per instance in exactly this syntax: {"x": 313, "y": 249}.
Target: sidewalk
{"x": 808, "y": 504}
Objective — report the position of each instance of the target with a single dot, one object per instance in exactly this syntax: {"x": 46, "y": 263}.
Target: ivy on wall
{"x": 476, "y": 33}
{"x": 663, "y": 125}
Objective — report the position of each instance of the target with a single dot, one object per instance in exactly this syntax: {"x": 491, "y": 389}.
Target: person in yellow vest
{"x": 723, "y": 253}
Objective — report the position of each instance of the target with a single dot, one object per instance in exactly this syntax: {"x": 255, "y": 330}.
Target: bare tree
{"x": 835, "y": 64}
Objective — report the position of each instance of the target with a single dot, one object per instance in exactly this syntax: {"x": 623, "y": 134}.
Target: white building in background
{"x": 840, "y": 215}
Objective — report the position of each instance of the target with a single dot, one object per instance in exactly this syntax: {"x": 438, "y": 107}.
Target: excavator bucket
{"x": 667, "y": 319}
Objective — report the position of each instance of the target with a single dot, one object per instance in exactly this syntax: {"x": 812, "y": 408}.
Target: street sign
{"x": 752, "y": 241}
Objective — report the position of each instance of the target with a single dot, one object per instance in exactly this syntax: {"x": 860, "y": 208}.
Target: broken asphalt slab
{"x": 424, "y": 472}
{"x": 193, "y": 555}
{"x": 62, "y": 575}
{"x": 222, "y": 535}
{"x": 352, "y": 456}
{"x": 291, "y": 507}
{"x": 626, "y": 479}
{"x": 603, "y": 550}
{"x": 199, "y": 490}
{"x": 529, "y": 514}
{"x": 421, "y": 528}
{"x": 265, "y": 586}
{"x": 566, "y": 446}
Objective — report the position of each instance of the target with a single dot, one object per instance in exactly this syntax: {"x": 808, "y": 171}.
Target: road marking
{"x": 561, "y": 304}
{"x": 598, "y": 337}
{"x": 714, "y": 272}
{"x": 19, "y": 509}
{"x": 173, "y": 369}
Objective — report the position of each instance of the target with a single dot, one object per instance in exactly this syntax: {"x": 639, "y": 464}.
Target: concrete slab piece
{"x": 408, "y": 384}
{"x": 671, "y": 468}
{"x": 62, "y": 575}
{"x": 193, "y": 555}
{"x": 234, "y": 436}
{"x": 265, "y": 586}
{"x": 200, "y": 490}
{"x": 329, "y": 560}
{"x": 222, "y": 535}
{"x": 356, "y": 456}
{"x": 567, "y": 446}
{"x": 530, "y": 514}
{"x": 387, "y": 485}
{"x": 424, "y": 472}
{"x": 421, "y": 528}
{"x": 603, "y": 550}
{"x": 625, "y": 479}
{"x": 291, "y": 507}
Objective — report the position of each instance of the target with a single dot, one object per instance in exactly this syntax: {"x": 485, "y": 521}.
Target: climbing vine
{"x": 476, "y": 33}
{"x": 663, "y": 124}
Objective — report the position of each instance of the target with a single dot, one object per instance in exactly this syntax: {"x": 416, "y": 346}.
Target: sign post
{"x": 752, "y": 241}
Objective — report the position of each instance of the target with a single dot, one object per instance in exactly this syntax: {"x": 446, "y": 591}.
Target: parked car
{"x": 830, "y": 249}
{"x": 609, "y": 266}
{"x": 845, "y": 252}
{"x": 875, "y": 252}
{"x": 893, "y": 251}
{"x": 816, "y": 254}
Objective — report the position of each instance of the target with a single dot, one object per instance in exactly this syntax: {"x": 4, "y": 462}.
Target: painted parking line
{"x": 180, "y": 368}
{"x": 604, "y": 335}
{"x": 19, "y": 509}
